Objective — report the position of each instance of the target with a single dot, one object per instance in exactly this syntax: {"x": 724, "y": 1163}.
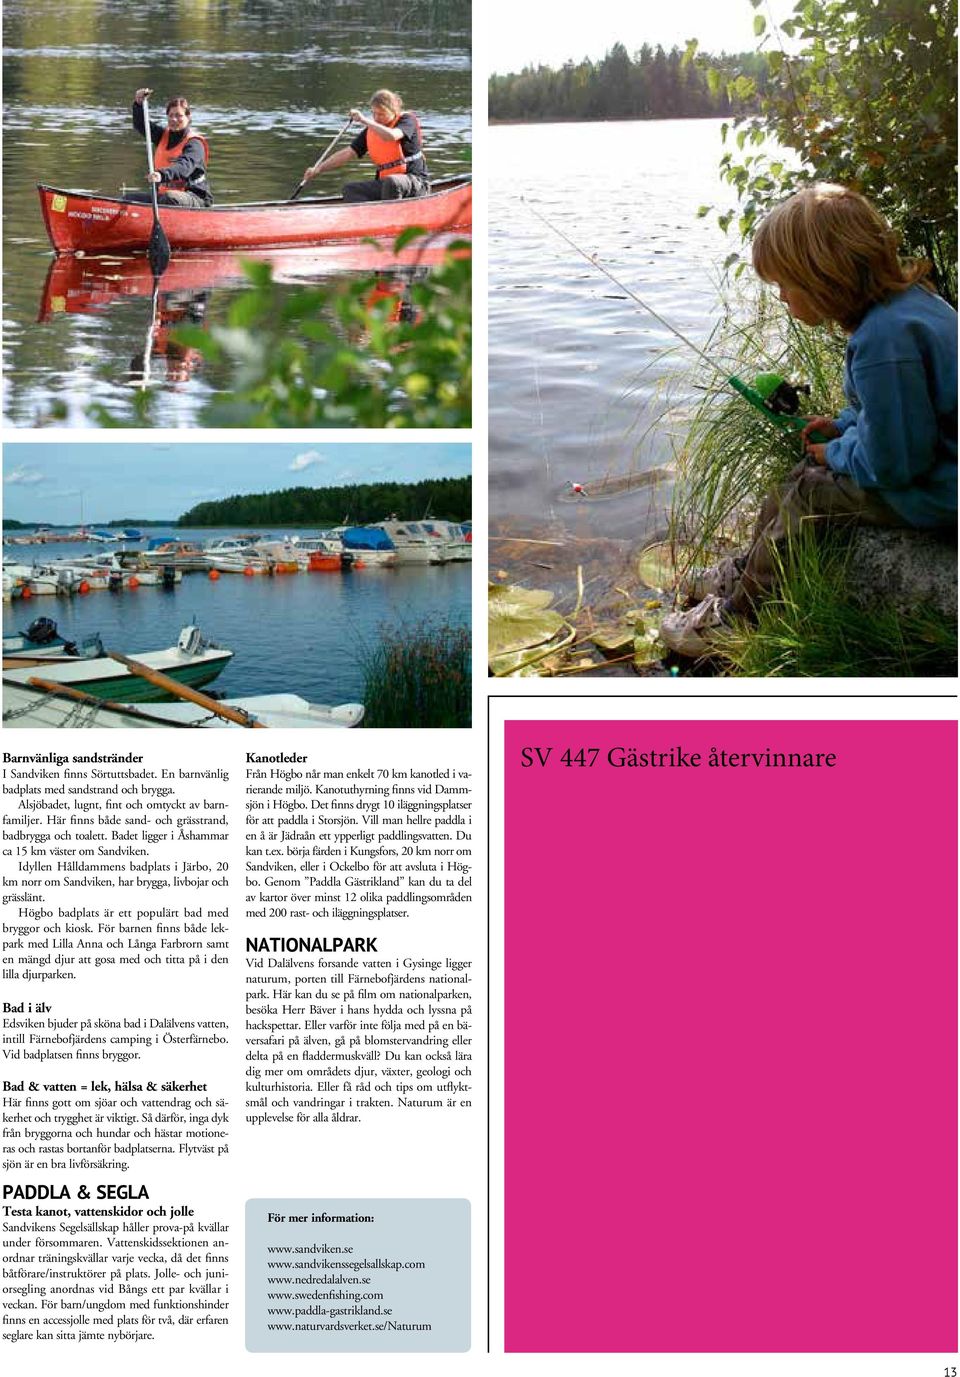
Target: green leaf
{"x": 257, "y": 272}
{"x": 196, "y": 337}
{"x": 759, "y": 25}
{"x": 407, "y": 236}
{"x": 519, "y": 619}
{"x": 613, "y": 639}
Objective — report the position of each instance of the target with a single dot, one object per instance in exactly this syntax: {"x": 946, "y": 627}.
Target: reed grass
{"x": 731, "y": 456}
{"x": 418, "y": 677}
{"x": 812, "y": 628}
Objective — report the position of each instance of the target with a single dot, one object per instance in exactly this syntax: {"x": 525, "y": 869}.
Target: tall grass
{"x": 732, "y": 456}
{"x": 418, "y": 677}
{"x": 811, "y": 627}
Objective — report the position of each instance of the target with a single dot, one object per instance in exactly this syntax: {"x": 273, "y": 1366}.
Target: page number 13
{"x": 949, "y": 1372}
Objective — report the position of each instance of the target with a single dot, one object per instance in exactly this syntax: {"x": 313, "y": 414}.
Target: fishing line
{"x": 543, "y": 432}
{"x": 645, "y": 306}
{"x": 784, "y": 418}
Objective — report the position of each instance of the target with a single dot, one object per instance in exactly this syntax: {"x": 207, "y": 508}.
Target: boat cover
{"x": 366, "y": 538}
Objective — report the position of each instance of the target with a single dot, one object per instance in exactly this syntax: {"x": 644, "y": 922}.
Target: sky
{"x": 52, "y": 482}
{"x": 535, "y": 31}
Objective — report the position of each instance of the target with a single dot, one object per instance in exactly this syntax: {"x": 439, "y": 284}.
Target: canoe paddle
{"x": 158, "y": 250}
{"x": 148, "y": 346}
{"x": 326, "y": 153}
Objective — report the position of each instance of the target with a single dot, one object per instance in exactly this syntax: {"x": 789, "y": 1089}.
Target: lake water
{"x": 270, "y": 86}
{"x": 295, "y": 633}
{"x": 584, "y": 385}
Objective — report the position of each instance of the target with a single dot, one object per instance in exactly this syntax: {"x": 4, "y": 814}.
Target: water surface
{"x": 292, "y": 633}
{"x": 269, "y": 84}
{"x": 584, "y": 385}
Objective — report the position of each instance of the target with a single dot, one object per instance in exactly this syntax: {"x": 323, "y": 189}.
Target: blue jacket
{"x": 899, "y": 433}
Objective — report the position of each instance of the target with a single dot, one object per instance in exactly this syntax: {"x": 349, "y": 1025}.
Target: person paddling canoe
{"x": 391, "y": 139}
{"x": 180, "y": 156}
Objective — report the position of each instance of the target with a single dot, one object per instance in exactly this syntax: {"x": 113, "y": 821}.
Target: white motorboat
{"x": 40, "y": 580}
{"x": 234, "y": 556}
{"x": 409, "y": 541}
{"x": 123, "y": 569}
{"x": 184, "y": 555}
{"x": 366, "y": 545}
{"x": 455, "y": 544}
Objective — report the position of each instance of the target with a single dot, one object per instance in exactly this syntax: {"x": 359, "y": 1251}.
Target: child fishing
{"x": 890, "y": 457}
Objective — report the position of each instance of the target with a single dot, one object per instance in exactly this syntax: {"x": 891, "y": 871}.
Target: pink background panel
{"x": 731, "y": 1031}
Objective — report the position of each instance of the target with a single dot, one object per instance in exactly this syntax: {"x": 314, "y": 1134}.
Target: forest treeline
{"x": 652, "y": 84}
{"x": 448, "y": 499}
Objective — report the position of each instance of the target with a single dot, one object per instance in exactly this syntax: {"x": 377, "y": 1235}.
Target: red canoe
{"x": 78, "y": 221}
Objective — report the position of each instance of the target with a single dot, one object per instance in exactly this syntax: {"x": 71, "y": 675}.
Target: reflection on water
{"x": 103, "y": 287}
{"x": 586, "y": 389}
{"x": 270, "y": 86}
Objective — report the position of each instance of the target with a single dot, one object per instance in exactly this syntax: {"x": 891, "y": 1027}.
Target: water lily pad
{"x": 613, "y": 639}
{"x": 520, "y": 621}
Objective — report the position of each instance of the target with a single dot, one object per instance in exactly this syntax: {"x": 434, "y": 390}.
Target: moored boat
{"x": 192, "y": 661}
{"x": 323, "y": 554}
{"x": 235, "y": 555}
{"x": 455, "y": 544}
{"x": 185, "y": 555}
{"x": 78, "y": 221}
{"x": 369, "y": 544}
{"x": 413, "y": 544}
{"x": 41, "y": 580}
{"x": 42, "y": 641}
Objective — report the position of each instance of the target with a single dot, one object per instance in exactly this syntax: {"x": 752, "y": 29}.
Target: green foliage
{"x": 418, "y": 677}
{"x": 327, "y": 355}
{"x": 448, "y": 499}
{"x": 812, "y": 628}
{"x": 870, "y": 102}
{"x": 731, "y": 455}
{"x": 652, "y": 84}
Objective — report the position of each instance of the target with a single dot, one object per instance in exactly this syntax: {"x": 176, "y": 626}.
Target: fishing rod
{"x": 770, "y": 394}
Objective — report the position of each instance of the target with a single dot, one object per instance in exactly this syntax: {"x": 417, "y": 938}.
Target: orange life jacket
{"x": 387, "y": 156}
{"x": 163, "y": 155}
